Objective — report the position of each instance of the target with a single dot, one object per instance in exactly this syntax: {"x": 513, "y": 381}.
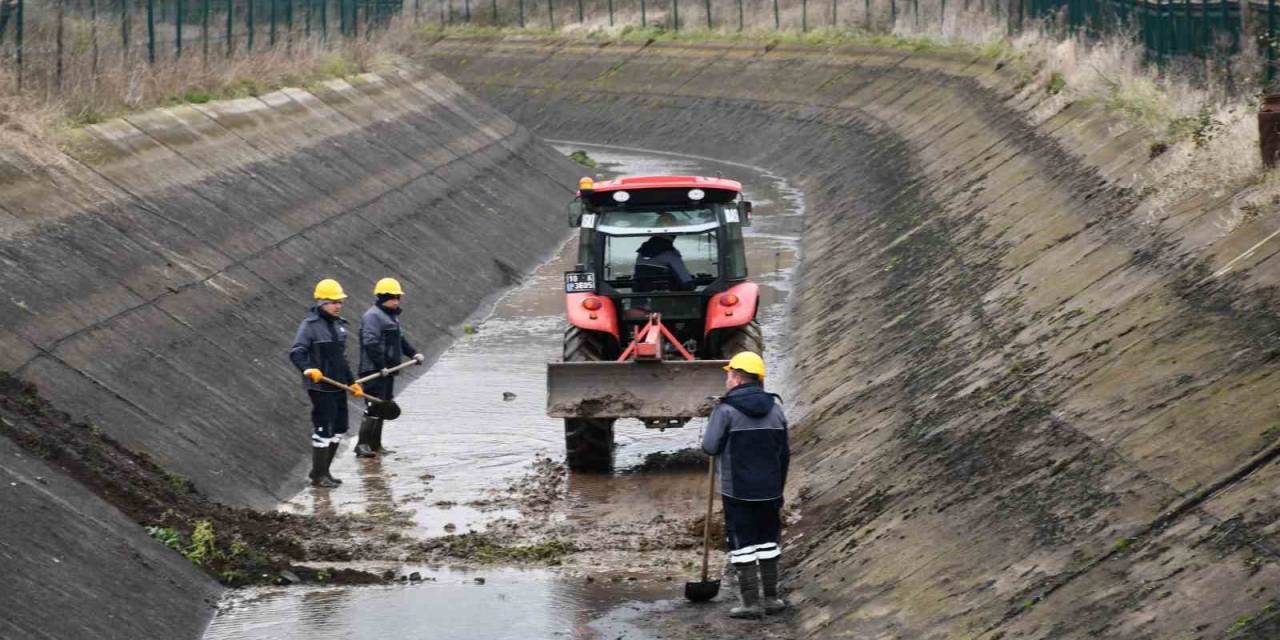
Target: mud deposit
{"x": 477, "y": 503}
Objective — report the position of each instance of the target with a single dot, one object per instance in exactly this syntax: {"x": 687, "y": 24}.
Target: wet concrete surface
{"x": 474, "y": 424}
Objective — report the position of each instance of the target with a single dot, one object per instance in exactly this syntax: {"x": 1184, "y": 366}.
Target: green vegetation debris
{"x": 583, "y": 159}
{"x": 1057, "y": 82}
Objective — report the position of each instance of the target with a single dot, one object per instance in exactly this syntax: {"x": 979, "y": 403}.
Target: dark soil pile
{"x": 236, "y": 546}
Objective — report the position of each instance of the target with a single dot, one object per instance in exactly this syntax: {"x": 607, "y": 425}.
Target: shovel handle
{"x": 348, "y": 389}
{"x": 378, "y": 374}
{"x": 706, "y": 527}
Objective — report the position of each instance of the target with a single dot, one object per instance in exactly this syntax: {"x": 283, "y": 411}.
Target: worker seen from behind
{"x": 320, "y": 351}
{"x": 748, "y": 432}
{"x": 382, "y": 346}
{"x": 659, "y": 265}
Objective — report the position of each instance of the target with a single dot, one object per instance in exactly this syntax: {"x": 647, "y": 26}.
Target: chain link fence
{"x": 41, "y": 41}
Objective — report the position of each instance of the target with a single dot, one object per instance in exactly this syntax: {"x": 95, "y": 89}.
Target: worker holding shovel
{"x": 320, "y": 352}
{"x": 748, "y": 432}
{"x": 382, "y": 346}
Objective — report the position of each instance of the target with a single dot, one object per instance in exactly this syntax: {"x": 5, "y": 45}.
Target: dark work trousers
{"x": 752, "y": 528}
{"x": 328, "y": 417}
{"x": 380, "y": 388}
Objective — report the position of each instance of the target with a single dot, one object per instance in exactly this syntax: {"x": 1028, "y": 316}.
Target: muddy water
{"x": 475, "y": 421}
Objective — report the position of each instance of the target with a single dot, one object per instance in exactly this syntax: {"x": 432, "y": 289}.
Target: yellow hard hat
{"x": 389, "y": 286}
{"x": 329, "y": 289}
{"x": 749, "y": 362}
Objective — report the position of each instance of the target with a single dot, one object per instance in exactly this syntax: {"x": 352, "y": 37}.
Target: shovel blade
{"x": 701, "y": 591}
{"x": 385, "y": 410}
{"x": 633, "y": 389}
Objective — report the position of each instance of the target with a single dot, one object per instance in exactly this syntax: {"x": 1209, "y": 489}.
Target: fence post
{"x": 93, "y": 43}
{"x": 204, "y": 31}
{"x": 942, "y": 16}
{"x": 151, "y": 31}
{"x": 643, "y": 21}
{"x": 466, "y": 10}
{"x": 1271, "y": 43}
{"x": 271, "y": 34}
{"x": 61, "y": 14}
{"x": 777, "y": 17}
{"x": 866, "y": 14}
{"x": 611, "y": 13}
{"x": 551, "y": 14}
{"x": 18, "y": 39}
{"x": 288, "y": 24}
{"x": 179, "y": 16}
{"x": 675, "y": 14}
{"x": 893, "y": 14}
{"x": 804, "y": 16}
{"x": 231, "y": 30}
{"x": 580, "y": 18}
{"x": 833, "y": 13}
{"x": 521, "y": 3}
{"x": 494, "y": 6}
{"x": 707, "y": 7}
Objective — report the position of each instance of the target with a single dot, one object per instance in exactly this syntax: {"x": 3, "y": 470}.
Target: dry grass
{"x": 91, "y": 93}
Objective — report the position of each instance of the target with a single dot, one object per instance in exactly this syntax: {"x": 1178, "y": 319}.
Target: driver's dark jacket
{"x": 382, "y": 345}
{"x": 662, "y": 252}
{"x": 321, "y": 343}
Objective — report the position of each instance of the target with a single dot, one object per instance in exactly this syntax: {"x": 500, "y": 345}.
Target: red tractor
{"x": 657, "y": 303}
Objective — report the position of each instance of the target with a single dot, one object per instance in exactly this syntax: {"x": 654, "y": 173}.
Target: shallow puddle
{"x": 475, "y": 421}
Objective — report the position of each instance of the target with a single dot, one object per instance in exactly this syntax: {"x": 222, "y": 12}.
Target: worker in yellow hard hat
{"x": 320, "y": 351}
{"x": 747, "y": 431}
{"x": 382, "y": 346}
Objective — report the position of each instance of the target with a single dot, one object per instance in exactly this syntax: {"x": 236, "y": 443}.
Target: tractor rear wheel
{"x": 588, "y": 442}
{"x": 748, "y": 337}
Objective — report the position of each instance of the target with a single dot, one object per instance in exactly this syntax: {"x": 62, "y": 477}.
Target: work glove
{"x": 419, "y": 358}
{"x": 357, "y": 390}
{"x": 314, "y": 375}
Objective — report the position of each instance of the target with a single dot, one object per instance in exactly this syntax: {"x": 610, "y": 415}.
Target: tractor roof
{"x": 632, "y": 183}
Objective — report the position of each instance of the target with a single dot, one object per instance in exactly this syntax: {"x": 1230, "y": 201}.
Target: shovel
{"x": 705, "y": 589}
{"x": 382, "y": 409}
{"x": 379, "y": 408}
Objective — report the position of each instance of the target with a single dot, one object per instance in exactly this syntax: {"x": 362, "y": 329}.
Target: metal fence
{"x": 38, "y": 38}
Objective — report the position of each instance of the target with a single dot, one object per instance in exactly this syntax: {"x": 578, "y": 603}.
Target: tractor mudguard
{"x": 604, "y": 319}
{"x": 722, "y": 316}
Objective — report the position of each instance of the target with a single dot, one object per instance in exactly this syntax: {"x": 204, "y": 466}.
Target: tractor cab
{"x": 660, "y": 245}
{"x": 657, "y": 303}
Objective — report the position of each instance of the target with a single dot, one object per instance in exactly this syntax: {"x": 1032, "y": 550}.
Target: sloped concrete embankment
{"x": 1036, "y": 405}
{"x": 153, "y": 279}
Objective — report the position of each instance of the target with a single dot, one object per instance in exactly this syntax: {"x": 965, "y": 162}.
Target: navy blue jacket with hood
{"x": 748, "y": 430}
{"x": 321, "y": 344}
{"x": 382, "y": 343}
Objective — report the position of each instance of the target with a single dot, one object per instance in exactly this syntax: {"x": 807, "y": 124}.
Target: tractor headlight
{"x": 621, "y": 196}
{"x": 697, "y": 194}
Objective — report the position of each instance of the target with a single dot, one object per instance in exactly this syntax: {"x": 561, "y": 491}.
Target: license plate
{"x": 579, "y": 282}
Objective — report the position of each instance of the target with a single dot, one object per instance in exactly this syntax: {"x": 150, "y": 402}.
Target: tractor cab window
{"x": 630, "y": 270}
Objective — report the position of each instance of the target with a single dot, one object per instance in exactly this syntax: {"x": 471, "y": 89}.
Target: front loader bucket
{"x": 634, "y": 389}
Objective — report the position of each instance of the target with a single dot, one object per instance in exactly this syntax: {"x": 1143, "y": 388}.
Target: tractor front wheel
{"x": 748, "y": 337}
{"x": 588, "y": 442}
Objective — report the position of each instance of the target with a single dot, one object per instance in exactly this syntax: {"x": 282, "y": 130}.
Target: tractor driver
{"x": 659, "y": 266}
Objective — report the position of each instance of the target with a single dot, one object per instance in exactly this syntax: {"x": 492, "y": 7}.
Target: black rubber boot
{"x": 320, "y": 468}
{"x": 773, "y": 603}
{"x": 364, "y": 447}
{"x": 749, "y": 591}
{"x": 377, "y": 439}
{"x": 333, "y": 451}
